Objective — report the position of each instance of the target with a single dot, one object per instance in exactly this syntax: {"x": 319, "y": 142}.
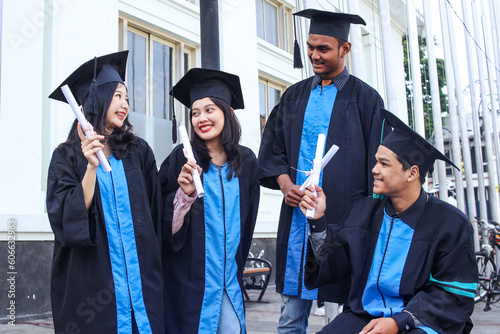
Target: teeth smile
{"x": 206, "y": 127}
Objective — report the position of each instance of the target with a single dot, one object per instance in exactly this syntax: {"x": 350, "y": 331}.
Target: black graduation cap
{"x": 410, "y": 146}
{"x": 326, "y": 23}
{"x": 199, "y": 83}
{"x": 330, "y": 23}
{"x": 104, "y": 69}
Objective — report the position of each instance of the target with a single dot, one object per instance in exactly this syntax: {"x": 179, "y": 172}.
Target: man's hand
{"x": 293, "y": 195}
{"x": 292, "y": 192}
{"x": 381, "y": 326}
{"x": 309, "y": 202}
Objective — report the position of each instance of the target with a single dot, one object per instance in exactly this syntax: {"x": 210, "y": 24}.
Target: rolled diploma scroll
{"x": 316, "y": 169}
{"x": 83, "y": 122}
{"x": 326, "y": 159}
{"x": 188, "y": 153}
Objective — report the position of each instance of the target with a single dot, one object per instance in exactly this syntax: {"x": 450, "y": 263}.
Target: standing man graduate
{"x": 411, "y": 256}
{"x": 347, "y": 110}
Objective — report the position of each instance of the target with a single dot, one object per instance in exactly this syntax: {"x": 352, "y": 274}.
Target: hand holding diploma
{"x": 326, "y": 159}
{"x": 188, "y": 153}
{"x": 310, "y": 201}
{"x": 90, "y": 144}
{"x": 84, "y": 125}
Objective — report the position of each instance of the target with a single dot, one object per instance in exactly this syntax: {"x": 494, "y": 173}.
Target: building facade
{"x": 42, "y": 42}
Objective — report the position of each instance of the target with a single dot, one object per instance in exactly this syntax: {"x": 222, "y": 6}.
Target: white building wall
{"x": 21, "y": 195}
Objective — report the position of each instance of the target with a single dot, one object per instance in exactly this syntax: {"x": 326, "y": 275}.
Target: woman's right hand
{"x": 185, "y": 178}
{"x": 90, "y": 145}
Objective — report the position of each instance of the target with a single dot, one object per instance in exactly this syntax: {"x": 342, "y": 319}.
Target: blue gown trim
{"x": 222, "y": 239}
{"x": 381, "y": 296}
{"x": 428, "y": 330}
{"x": 316, "y": 120}
{"x": 122, "y": 248}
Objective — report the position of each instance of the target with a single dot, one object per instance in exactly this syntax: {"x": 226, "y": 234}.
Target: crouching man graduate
{"x": 412, "y": 264}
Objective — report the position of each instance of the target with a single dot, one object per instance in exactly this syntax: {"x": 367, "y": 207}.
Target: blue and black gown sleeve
{"x": 446, "y": 302}
{"x": 325, "y": 263}
{"x": 72, "y": 225}
{"x": 273, "y": 157}
{"x": 250, "y": 167}
{"x": 169, "y": 172}
{"x": 153, "y": 189}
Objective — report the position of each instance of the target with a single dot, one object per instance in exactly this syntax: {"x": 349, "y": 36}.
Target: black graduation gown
{"x": 184, "y": 252}
{"x": 440, "y": 258}
{"x": 82, "y": 286}
{"x": 355, "y": 126}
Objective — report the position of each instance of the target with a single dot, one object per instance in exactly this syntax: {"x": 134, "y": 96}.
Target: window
{"x": 150, "y": 73}
{"x": 274, "y": 23}
{"x": 155, "y": 63}
{"x": 269, "y": 96}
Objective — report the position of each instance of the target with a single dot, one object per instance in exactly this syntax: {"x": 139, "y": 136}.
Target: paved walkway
{"x": 262, "y": 318}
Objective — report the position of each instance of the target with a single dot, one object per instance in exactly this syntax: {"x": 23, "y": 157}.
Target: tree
{"x": 426, "y": 86}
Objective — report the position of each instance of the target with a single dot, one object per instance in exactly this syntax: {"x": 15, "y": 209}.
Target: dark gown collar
{"x": 411, "y": 215}
{"x": 339, "y": 81}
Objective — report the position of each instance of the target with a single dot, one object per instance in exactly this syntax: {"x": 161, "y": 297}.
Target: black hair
{"x": 230, "y": 138}
{"x": 340, "y": 41}
{"x": 407, "y": 165}
{"x": 121, "y": 139}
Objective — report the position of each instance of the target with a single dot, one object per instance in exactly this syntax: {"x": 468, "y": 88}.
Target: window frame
{"x": 145, "y": 35}
{"x": 179, "y": 68}
{"x": 269, "y": 83}
{"x": 154, "y": 38}
{"x": 283, "y": 25}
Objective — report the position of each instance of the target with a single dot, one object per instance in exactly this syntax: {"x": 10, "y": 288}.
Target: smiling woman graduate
{"x": 106, "y": 270}
{"x": 206, "y": 240}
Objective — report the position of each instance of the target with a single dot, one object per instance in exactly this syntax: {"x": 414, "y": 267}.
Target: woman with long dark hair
{"x": 106, "y": 270}
{"x": 206, "y": 240}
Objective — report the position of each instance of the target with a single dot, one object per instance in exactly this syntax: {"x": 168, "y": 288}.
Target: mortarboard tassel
{"x": 174, "y": 122}
{"x": 174, "y": 130}
{"x": 297, "y": 59}
{"x": 94, "y": 108}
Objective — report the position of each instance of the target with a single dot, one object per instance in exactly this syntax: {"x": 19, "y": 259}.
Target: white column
{"x": 385, "y": 26}
{"x": 358, "y": 66}
{"x": 464, "y": 135}
{"x": 418, "y": 104}
{"x": 483, "y": 213}
{"x": 436, "y": 105}
{"x": 491, "y": 76}
{"x": 455, "y": 139}
{"x": 489, "y": 149}
{"x": 235, "y": 45}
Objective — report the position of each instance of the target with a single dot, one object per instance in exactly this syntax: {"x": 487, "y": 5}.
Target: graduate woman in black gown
{"x": 106, "y": 271}
{"x": 206, "y": 240}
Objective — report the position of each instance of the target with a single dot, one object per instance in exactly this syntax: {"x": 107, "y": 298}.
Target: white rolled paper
{"x": 316, "y": 169}
{"x": 83, "y": 122}
{"x": 188, "y": 152}
{"x": 326, "y": 159}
